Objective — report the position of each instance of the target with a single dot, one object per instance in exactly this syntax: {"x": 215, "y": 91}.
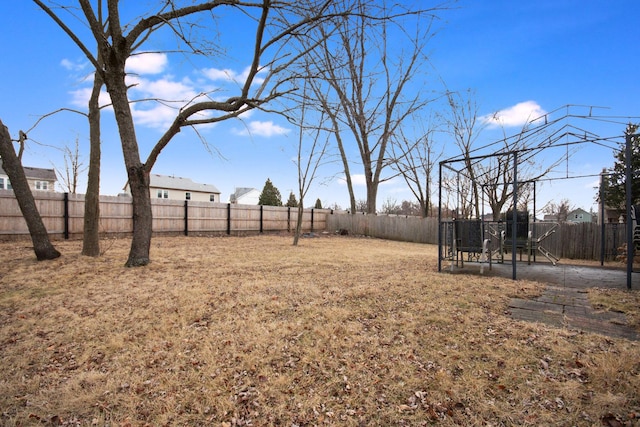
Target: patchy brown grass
{"x": 621, "y": 301}
{"x": 254, "y": 331}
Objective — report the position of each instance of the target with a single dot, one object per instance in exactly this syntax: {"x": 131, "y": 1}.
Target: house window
{"x": 2, "y": 183}
{"x": 42, "y": 185}
{"x": 163, "y": 194}
{"x": 212, "y": 197}
{"x": 187, "y": 196}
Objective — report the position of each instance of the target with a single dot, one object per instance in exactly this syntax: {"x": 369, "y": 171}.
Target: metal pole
{"x": 602, "y": 229}
{"x": 534, "y": 218}
{"x": 186, "y": 217}
{"x": 440, "y": 217}
{"x": 628, "y": 197}
{"x": 261, "y": 218}
{"x": 514, "y": 226}
{"x": 66, "y": 216}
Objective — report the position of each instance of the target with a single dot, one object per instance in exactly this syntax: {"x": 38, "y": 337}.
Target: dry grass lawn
{"x": 253, "y": 331}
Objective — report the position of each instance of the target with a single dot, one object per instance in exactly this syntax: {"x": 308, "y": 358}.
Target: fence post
{"x": 66, "y": 216}
{"x": 186, "y": 217}
{"x": 288, "y": 219}
{"x": 228, "y": 218}
{"x": 261, "y": 217}
{"x": 312, "y": 220}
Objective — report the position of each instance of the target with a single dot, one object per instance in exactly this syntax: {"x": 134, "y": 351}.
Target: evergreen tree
{"x": 318, "y": 204}
{"x": 615, "y": 184}
{"x": 292, "y": 202}
{"x": 270, "y": 195}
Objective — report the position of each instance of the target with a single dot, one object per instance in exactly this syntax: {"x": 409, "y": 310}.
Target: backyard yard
{"x": 238, "y": 331}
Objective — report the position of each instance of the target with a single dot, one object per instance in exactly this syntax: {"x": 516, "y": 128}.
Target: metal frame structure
{"x": 546, "y": 132}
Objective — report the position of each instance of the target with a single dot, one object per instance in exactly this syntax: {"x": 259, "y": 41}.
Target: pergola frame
{"x": 544, "y": 123}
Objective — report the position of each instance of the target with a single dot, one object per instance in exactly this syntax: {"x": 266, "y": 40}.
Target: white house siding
{"x": 245, "y": 196}
{"x": 176, "y": 188}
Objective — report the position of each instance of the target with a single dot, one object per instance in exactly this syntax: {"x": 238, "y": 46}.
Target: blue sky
{"x": 519, "y": 58}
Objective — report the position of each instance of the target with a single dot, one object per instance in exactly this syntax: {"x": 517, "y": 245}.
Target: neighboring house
{"x": 39, "y": 179}
{"x": 611, "y": 215}
{"x": 550, "y": 218}
{"x": 177, "y": 188}
{"x": 245, "y": 196}
{"x": 579, "y": 215}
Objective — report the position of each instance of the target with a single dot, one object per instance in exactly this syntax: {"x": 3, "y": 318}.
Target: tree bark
{"x": 296, "y": 235}
{"x": 91, "y": 234}
{"x": 137, "y": 173}
{"x": 41, "y": 244}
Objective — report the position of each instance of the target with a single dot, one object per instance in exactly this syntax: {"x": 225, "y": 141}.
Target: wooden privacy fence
{"x": 402, "y": 228}
{"x": 63, "y": 216}
{"x": 569, "y": 241}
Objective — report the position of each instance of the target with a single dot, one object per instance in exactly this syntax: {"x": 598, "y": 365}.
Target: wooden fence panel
{"x": 566, "y": 240}
{"x": 207, "y": 217}
{"x": 168, "y": 215}
{"x": 116, "y": 214}
{"x": 403, "y": 228}
{"x": 66, "y": 216}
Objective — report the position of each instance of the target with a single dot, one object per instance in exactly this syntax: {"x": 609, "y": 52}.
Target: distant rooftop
{"x": 35, "y": 173}
{"x": 179, "y": 183}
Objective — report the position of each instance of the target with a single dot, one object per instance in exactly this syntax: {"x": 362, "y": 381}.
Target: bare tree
{"x": 390, "y": 206}
{"x": 312, "y": 146}
{"x": 414, "y": 160}
{"x": 496, "y": 175}
{"x": 276, "y": 26}
{"x": 560, "y": 210}
{"x": 364, "y": 83}
{"x": 493, "y": 175}
{"x": 91, "y": 225}
{"x": 13, "y": 167}
{"x": 73, "y": 167}
{"x": 465, "y": 127}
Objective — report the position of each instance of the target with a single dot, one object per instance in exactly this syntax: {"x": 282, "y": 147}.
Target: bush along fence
{"x": 63, "y": 216}
{"x": 568, "y": 241}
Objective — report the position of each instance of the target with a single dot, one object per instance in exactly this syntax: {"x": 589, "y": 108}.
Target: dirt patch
{"x": 255, "y": 331}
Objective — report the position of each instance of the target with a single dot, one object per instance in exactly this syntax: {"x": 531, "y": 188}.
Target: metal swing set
{"x": 463, "y": 238}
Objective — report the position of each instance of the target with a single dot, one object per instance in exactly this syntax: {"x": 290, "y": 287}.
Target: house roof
{"x": 241, "y": 191}
{"x": 35, "y": 173}
{"x": 578, "y": 211}
{"x": 179, "y": 183}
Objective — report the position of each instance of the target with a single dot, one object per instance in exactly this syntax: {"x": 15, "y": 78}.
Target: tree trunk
{"x": 13, "y": 167}
{"x": 372, "y": 195}
{"x": 296, "y": 236}
{"x": 137, "y": 174}
{"x": 142, "y": 217}
{"x": 91, "y": 233}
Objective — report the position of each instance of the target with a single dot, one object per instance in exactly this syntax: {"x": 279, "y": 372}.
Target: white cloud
{"x": 73, "y": 66}
{"x": 258, "y": 128}
{"x": 159, "y": 116}
{"x": 80, "y": 97}
{"x": 147, "y": 63}
{"x": 148, "y": 82}
{"x": 165, "y": 89}
{"x": 356, "y": 179}
{"x": 515, "y": 116}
